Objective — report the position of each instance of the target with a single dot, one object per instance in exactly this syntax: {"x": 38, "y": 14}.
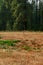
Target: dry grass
{"x": 22, "y": 57}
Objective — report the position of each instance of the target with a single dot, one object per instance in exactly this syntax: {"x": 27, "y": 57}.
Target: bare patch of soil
{"x": 22, "y": 57}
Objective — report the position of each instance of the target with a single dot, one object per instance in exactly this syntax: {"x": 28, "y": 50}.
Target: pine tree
{"x": 7, "y": 11}
{"x": 21, "y": 19}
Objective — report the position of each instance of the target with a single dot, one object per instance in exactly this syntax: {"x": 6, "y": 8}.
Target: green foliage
{"x": 16, "y": 41}
{"x": 20, "y": 15}
{"x": 1, "y": 37}
{"x": 6, "y": 43}
{"x": 26, "y": 47}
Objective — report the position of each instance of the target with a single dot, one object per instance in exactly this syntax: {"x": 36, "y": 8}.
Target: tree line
{"x": 21, "y": 15}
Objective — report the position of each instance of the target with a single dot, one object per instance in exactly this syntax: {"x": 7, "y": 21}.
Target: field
{"x": 21, "y": 48}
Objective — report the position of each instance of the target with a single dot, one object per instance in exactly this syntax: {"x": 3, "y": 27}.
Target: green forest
{"x": 19, "y": 15}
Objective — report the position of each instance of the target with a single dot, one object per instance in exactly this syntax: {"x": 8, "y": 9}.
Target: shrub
{"x": 27, "y": 47}
{"x": 16, "y": 41}
{"x": 9, "y": 42}
{"x": 0, "y": 37}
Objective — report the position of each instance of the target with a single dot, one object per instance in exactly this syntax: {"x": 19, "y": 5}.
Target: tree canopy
{"x": 21, "y": 15}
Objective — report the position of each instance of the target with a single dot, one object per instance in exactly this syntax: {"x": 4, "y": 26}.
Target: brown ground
{"x": 23, "y": 57}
